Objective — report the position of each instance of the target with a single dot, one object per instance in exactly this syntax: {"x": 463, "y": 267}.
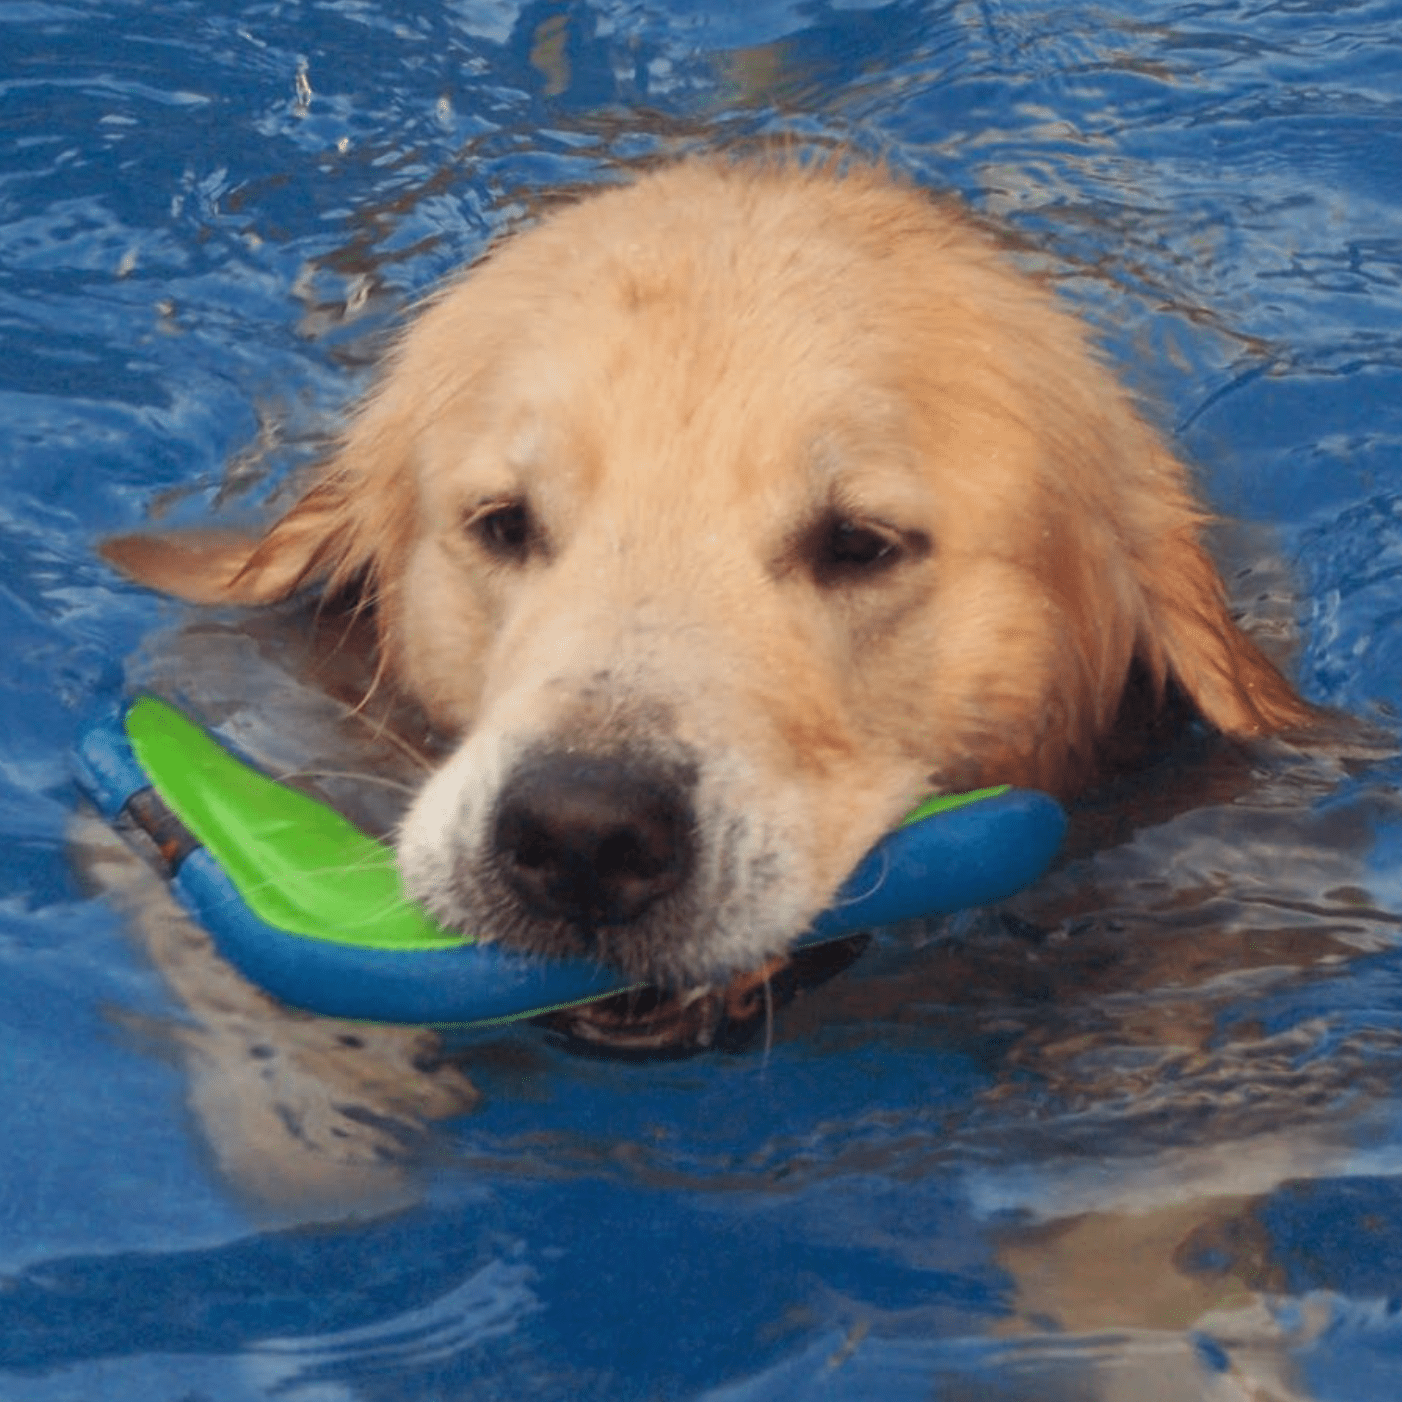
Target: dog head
{"x": 725, "y": 515}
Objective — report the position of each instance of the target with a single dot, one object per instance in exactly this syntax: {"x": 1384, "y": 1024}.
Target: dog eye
{"x": 843, "y": 550}
{"x": 506, "y": 529}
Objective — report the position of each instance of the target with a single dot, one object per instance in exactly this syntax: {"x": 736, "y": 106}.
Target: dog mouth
{"x": 625, "y": 857}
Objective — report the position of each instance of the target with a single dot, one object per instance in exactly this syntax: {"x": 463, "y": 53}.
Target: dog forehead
{"x": 707, "y": 263}
{"x": 755, "y": 353}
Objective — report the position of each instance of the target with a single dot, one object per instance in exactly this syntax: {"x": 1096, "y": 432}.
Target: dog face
{"x": 724, "y": 516}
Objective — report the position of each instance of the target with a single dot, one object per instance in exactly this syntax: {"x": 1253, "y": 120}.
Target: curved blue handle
{"x": 974, "y": 855}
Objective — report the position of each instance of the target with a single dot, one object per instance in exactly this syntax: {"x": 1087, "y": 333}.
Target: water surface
{"x": 1136, "y": 1136}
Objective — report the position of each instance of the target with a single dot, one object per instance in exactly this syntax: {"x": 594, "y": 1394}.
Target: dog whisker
{"x": 359, "y": 777}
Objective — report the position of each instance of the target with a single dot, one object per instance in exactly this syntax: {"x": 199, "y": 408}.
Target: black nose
{"x": 593, "y": 840}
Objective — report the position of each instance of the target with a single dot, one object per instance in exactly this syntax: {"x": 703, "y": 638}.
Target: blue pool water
{"x": 1140, "y": 1136}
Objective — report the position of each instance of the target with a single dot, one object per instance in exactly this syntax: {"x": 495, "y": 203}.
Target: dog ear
{"x": 228, "y": 567}
{"x": 200, "y": 566}
{"x": 339, "y": 532}
{"x": 1191, "y": 637}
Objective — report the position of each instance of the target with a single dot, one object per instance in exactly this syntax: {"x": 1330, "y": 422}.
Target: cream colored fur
{"x": 680, "y": 380}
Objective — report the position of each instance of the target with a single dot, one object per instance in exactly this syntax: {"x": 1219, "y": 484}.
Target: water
{"x": 1136, "y": 1138}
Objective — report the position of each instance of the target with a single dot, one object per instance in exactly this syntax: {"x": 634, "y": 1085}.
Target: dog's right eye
{"x": 505, "y": 529}
{"x": 842, "y": 551}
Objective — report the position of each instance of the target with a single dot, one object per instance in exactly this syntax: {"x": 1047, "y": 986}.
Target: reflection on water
{"x": 1132, "y": 1137}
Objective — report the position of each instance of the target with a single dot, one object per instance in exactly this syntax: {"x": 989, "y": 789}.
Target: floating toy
{"x": 310, "y": 908}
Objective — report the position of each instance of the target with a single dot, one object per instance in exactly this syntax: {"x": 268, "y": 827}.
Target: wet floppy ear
{"x": 200, "y": 566}
{"x": 1190, "y": 636}
{"x": 226, "y": 567}
{"x": 340, "y": 531}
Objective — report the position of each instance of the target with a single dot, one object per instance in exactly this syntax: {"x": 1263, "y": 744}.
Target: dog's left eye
{"x": 506, "y": 529}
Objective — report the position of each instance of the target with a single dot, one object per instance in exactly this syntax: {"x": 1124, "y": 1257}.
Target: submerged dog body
{"x": 724, "y": 515}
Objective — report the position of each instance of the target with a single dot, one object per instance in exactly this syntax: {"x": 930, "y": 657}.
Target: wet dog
{"x": 723, "y": 515}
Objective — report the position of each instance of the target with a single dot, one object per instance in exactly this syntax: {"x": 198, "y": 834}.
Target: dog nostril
{"x": 628, "y": 854}
{"x": 531, "y": 846}
{"x": 593, "y": 841}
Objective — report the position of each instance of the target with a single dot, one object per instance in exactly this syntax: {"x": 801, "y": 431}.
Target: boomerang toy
{"x": 310, "y": 908}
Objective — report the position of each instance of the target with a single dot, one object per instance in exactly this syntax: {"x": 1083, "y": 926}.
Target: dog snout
{"x": 593, "y": 840}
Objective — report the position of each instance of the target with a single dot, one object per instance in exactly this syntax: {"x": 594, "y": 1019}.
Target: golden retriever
{"x": 724, "y": 515}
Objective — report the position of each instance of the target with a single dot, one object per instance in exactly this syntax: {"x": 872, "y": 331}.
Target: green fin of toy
{"x": 299, "y": 865}
{"x": 944, "y": 802}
